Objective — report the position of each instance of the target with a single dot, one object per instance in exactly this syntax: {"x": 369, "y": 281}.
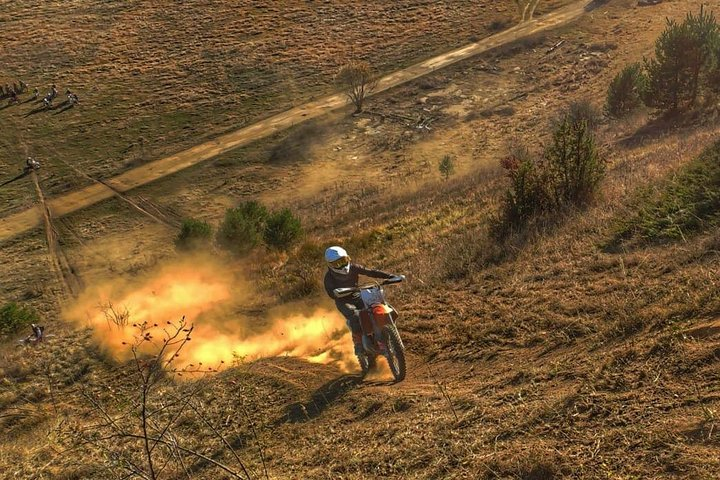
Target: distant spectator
{"x": 31, "y": 164}
{"x": 38, "y": 332}
{"x": 36, "y": 93}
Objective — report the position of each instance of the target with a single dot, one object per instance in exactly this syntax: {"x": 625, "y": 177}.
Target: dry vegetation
{"x": 155, "y": 77}
{"x": 562, "y": 353}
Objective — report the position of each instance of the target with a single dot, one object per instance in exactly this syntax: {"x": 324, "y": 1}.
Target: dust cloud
{"x": 214, "y": 298}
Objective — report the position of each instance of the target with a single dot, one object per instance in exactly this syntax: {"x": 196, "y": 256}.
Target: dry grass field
{"x": 570, "y": 356}
{"x": 156, "y": 77}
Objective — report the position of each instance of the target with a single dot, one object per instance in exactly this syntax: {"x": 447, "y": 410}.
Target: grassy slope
{"x": 565, "y": 361}
{"x": 686, "y": 203}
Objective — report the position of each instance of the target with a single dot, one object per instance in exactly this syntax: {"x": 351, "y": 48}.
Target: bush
{"x": 240, "y": 230}
{"x": 13, "y": 317}
{"x": 282, "y": 229}
{"x": 567, "y": 174}
{"x": 686, "y": 204}
{"x": 574, "y": 165}
{"x": 255, "y": 212}
{"x": 193, "y": 234}
{"x": 684, "y": 55}
{"x": 304, "y": 268}
{"x": 527, "y": 194}
{"x": 446, "y": 167}
{"x": 583, "y": 110}
{"x": 626, "y": 91}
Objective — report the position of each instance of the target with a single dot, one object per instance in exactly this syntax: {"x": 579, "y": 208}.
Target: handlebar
{"x": 346, "y": 291}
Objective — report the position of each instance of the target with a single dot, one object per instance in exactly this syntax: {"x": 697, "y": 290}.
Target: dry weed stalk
{"x": 443, "y": 391}
{"x": 134, "y": 428}
{"x": 119, "y": 317}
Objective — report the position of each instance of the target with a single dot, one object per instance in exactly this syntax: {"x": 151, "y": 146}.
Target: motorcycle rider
{"x": 342, "y": 273}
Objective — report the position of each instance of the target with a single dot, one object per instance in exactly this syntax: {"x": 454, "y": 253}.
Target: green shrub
{"x": 684, "y": 55}
{"x": 241, "y": 229}
{"x": 567, "y": 175}
{"x": 686, "y": 204}
{"x": 13, "y": 317}
{"x": 574, "y": 165}
{"x": 527, "y": 193}
{"x": 282, "y": 229}
{"x": 625, "y": 93}
{"x": 193, "y": 234}
{"x": 446, "y": 167}
{"x": 255, "y": 212}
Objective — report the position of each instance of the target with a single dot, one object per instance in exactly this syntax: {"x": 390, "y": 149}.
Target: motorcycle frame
{"x": 373, "y": 318}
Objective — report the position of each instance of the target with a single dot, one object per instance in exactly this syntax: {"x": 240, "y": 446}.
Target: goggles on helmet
{"x": 339, "y": 263}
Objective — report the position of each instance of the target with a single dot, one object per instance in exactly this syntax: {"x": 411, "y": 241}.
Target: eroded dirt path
{"x": 20, "y": 222}
{"x": 70, "y": 284}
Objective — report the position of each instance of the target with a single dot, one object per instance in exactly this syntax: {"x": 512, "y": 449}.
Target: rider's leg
{"x": 351, "y": 312}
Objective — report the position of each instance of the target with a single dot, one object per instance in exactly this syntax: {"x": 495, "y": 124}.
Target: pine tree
{"x": 626, "y": 91}
{"x": 683, "y": 56}
{"x": 446, "y": 166}
{"x": 573, "y": 163}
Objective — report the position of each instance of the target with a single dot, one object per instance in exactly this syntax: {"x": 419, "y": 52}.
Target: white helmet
{"x": 338, "y": 260}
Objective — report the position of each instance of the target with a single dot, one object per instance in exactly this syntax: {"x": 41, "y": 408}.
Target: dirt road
{"x": 20, "y": 222}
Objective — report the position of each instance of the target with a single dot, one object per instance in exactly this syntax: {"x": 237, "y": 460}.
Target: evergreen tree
{"x": 683, "y": 55}
{"x": 446, "y": 166}
{"x": 626, "y": 91}
{"x": 573, "y": 163}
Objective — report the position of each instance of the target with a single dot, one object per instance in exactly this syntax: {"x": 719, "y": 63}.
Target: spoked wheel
{"x": 395, "y": 353}
{"x": 367, "y": 363}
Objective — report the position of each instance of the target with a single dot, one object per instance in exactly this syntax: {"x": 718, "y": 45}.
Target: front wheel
{"x": 395, "y": 353}
{"x": 367, "y": 363}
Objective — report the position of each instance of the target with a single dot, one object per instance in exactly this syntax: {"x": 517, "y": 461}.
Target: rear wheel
{"x": 395, "y": 353}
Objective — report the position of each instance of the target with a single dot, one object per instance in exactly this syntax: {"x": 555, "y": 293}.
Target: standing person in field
{"x": 341, "y": 273}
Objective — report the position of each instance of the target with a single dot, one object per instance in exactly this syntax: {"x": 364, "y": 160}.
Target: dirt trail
{"x": 158, "y": 217}
{"x": 20, "y": 222}
{"x": 71, "y": 285}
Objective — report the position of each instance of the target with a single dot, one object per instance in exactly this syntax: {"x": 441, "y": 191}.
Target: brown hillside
{"x": 570, "y": 354}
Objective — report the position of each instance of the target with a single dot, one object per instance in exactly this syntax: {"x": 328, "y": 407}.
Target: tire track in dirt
{"x": 160, "y": 217}
{"x": 22, "y": 221}
{"x": 64, "y": 272}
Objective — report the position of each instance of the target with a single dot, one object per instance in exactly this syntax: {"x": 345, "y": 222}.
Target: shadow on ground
{"x": 322, "y": 398}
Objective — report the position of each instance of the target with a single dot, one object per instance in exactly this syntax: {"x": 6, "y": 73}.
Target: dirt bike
{"x": 377, "y": 322}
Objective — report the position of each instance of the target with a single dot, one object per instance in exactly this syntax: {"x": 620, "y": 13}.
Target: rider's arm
{"x": 368, "y": 272}
{"x": 329, "y": 287}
